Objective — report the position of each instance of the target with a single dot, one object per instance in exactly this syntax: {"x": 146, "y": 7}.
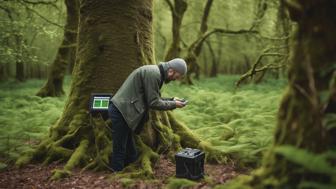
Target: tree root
{"x": 142, "y": 168}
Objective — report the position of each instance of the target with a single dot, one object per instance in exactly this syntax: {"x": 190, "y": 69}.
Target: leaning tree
{"x": 115, "y": 37}
{"x": 65, "y": 56}
{"x": 177, "y": 9}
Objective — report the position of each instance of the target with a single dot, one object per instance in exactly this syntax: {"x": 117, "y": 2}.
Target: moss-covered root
{"x": 188, "y": 139}
{"x": 48, "y": 151}
{"x": 142, "y": 168}
{"x": 76, "y": 158}
{"x": 176, "y": 183}
{"x": 65, "y": 148}
{"x": 240, "y": 182}
{"x": 51, "y": 89}
{"x": 29, "y": 156}
{"x": 54, "y": 152}
{"x": 102, "y": 147}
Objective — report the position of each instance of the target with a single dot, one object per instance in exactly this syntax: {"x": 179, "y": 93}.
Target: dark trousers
{"x": 124, "y": 151}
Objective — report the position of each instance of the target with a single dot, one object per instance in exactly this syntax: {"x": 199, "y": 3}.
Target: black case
{"x": 190, "y": 164}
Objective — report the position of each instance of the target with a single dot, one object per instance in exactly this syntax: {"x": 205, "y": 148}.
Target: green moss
{"x": 127, "y": 182}
{"x": 25, "y": 159}
{"x": 78, "y": 155}
{"x": 240, "y": 182}
{"x": 3, "y": 166}
{"x": 228, "y": 121}
{"x": 59, "y": 174}
{"x": 238, "y": 122}
{"x": 176, "y": 183}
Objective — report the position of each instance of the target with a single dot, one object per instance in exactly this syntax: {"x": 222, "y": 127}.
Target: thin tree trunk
{"x": 19, "y": 73}
{"x": 195, "y": 48}
{"x": 65, "y": 56}
{"x": 177, "y": 10}
{"x": 205, "y": 64}
{"x": 214, "y": 68}
{"x": 286, "y": 28}
{"x": 20, "y": 76}
{"x": 3, "y": 72}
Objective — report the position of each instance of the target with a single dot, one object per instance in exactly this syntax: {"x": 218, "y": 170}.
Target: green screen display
{"x": 105, "y": 103}
{"x": 101, "y": 102}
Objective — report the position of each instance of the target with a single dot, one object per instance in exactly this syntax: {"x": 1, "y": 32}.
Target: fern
{"x": 316, "y": 163}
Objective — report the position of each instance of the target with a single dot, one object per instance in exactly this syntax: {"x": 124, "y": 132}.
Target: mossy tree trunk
{"x": 300, "y": 126}
{"x": 114, "y": 39}
{"x": 178, "y": 9}
{"x": 66, "y": 53}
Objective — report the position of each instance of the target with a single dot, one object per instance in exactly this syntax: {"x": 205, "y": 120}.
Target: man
{"x": 129, "y": 108}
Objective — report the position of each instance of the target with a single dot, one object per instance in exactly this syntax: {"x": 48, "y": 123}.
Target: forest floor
{"x": 235, "y": 121}
{"x": 38, "y": 176}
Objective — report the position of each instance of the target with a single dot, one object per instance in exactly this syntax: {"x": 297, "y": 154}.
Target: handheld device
{"x": 184, "y": 101}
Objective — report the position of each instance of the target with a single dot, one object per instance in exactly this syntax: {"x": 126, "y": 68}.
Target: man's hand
{"x": 179, "y": 104}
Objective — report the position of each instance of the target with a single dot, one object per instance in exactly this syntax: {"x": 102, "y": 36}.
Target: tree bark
{"x": 107, "y": 53}
{"x": 66, "y": 54}
{"x": 300, "y": 128}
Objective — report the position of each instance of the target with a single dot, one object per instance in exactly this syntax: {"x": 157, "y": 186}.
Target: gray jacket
{"x": 139, "y": 93}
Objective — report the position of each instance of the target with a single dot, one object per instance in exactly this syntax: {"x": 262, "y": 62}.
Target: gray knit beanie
{"x": 179, "y": 65}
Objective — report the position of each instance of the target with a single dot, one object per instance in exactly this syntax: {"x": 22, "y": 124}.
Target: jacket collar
{"x": 165, "y": 71}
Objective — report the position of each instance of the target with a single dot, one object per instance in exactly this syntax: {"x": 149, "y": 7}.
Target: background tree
{"x": 27, "y": 37}
{"x": 303, "y": 153}
{"x": 195, "y": 48}
{"x": 66, "y": 54}
{"x": 177, "y": 10}
{"x": 107, "y": 53}
{"x": 275, "y": 56}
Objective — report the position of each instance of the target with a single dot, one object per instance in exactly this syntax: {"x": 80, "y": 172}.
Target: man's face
{"x": 174, "y": 75}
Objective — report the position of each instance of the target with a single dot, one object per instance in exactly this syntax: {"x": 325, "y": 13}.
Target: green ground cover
{"x": 236, "y": 121}
{"x": 24, "y": 117}
{"x": 239, "y": 121}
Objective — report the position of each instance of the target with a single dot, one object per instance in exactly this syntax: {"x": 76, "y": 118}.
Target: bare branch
{"x": 72, "y": 45}
{"x": 170, "y": 4}
{"x": 275, "y": 38}
{"x": 201, "y": 39}
{"x": 41, "y": 16}
{"x": 40, "y": 2}
{"x": 254, "y": 68}
{"x": 260, "y": 13}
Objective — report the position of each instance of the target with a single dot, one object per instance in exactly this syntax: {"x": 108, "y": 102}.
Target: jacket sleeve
{"x": 152, "y": 93}
{"x": 167, "y": 99}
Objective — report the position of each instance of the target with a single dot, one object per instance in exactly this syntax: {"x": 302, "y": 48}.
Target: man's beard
{"x": 167, "y": 81}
